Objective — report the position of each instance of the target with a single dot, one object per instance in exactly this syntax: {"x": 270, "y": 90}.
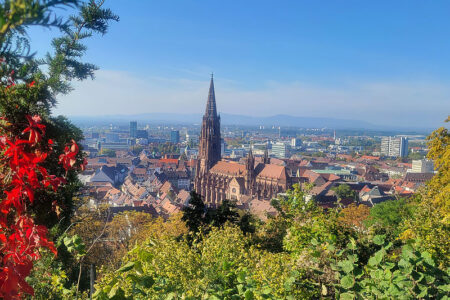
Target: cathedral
{"x": 217, "y": 179}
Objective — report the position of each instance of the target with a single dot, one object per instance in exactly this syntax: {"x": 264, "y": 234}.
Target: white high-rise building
{"x": 422, "y": 166}
{"x": 296, "y": 142}
{"x": 280, "y": 150}
{"x": 394, "y": 146}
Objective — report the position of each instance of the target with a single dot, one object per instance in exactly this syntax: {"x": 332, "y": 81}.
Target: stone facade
{"x": 217, "y": 180}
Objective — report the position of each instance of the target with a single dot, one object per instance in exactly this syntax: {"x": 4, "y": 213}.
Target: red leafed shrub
{"x": 22, "y": 174}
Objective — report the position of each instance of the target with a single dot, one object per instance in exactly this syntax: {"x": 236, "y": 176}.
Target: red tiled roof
{"x": 169, "y": 160}
{"x": 276, "y": 161}
{"x": 228, "y": 168}
{"x": 303, "y": 163}
{"x": 273, "y": 171}
{"x": 311, "y": 175}
{"x": 183, "y": 195}
{"x": 365, "y": 189}
{"x": 319, "y": 189}
{"x": 166, "y": 187}
{"x": 331, "y": 177}
{"x": 368, "y": 157}
{"x": 139, "y": 171}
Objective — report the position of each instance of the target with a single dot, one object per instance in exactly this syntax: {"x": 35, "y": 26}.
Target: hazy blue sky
{"x": 386, "y": 62}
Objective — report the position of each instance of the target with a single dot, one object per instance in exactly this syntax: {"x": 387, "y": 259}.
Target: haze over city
{"x": 299, "y": 58}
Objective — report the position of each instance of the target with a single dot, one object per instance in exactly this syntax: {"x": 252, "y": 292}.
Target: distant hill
{"x": 228, "y": 119}
{"x": 242, "y": 120}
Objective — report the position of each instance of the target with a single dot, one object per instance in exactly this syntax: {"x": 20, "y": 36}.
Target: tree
{"x": 122, "y": 233}
{"x": 91, "y": 227}
{"x": 194, "y": 214}
{"x": 429, "y": 225}
{"x": 23, "y": 177}
{"x": 28, "y": 90}
{"x": 388, "y": 217}
{"x": 415, "y": 155}
{"x": 108, "y": 152}
{"x": 343, "y": 191}
{"x": 136, "y": 149}
{"x": 354, "y": 216}
{"x": 225, "y": 212}
{"x": 219, "y": 265}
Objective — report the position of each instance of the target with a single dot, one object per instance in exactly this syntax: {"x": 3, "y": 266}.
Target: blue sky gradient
{"x": 380, "y": 61}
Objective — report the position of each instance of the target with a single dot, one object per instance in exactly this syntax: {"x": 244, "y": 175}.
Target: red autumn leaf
{"x": 35, "y": 129}
{"x": 20, "y": 240}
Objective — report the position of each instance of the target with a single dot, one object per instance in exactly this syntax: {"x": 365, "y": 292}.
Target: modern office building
{"x": 394, "y": 146}
{"x": 223, "y": 147}
{"x": 280, "y": 150}
{"x": 174, "y": 136}
{"x": 141, "y": 134}
{"x": 133, "y": 129}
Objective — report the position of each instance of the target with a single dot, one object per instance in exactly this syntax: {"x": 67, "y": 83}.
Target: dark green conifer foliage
{"x": 49, "y": 76}
{"x": 194, "y": 213}
{"x": 226, "y": 211}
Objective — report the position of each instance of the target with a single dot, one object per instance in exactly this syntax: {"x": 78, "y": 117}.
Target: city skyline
{"x": 302, "y": 59}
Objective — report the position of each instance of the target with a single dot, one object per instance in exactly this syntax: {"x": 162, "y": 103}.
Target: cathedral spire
{"x": 250, "y": 152}
{"x": 266, "y": 159}
{"x": 211, "y": 110}
{"x": 209, "y": 144}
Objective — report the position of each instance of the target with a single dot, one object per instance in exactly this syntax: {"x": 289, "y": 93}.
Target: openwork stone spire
{"x": 209, "y": 146}
{"x": 211, "y": 110}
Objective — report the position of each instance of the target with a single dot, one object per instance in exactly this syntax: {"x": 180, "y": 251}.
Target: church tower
{"x": 250, "y": 176}
{"x": 209, "y": 144}
{"x": 209, "y": 148}
{"x": 266, "y": 159}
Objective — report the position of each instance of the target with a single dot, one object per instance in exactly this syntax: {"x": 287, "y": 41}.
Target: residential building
{"x": 295, "y": 142}
{"x": 394, "y": 146}
{"x": 418, "y": 177}
{"x": 422, "y": 166}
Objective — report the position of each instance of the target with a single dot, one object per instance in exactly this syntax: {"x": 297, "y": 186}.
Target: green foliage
{"x": 388, "y": 216}
{"x": 225, "y": 212}
{"x": 200, "y": 217}
{"x": 220, "y": 266}
{"x": 50, "y": 281}
{"x": 194, "y": 214}
{"x": 163, "y": 149}
{"x": 136, "y": 149}
{"x": 430, "y": 223}
{"x": 413, "y": 275}
{"x": 108, "y": 152}
{"x": 343, "y": 191}
{"x": 415, "y": 155}
{"x": 29, "y": 85}
{"x": 301, "y": 253}
{"x": 75, "y": 245}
